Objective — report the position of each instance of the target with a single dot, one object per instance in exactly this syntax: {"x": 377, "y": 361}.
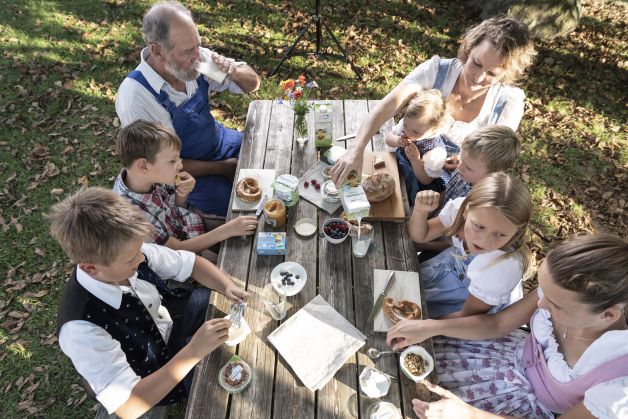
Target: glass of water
{"x": 360, "y": 242}
{"x": 274, "y": 301}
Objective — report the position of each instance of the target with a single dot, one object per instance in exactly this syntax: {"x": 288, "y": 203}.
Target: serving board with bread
{"x": 405, "y": 295}
{"x": 251, "y": 186}
{"x": 383, "y": 182}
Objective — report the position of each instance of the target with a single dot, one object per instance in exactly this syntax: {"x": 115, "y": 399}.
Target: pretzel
{"x": 402, "y": 310}
{"x": 248, "y": 190}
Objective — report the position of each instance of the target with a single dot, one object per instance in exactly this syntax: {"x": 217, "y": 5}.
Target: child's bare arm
{"x": 208, "y": 274}
{"x": 482, "y": 326}
{"x": 471, "y": 307}
{"x": 418, "y": 166}
{"x": 421, "y": 229}
{"x": 154, "y": 387}
{"x": 239, "y": 226}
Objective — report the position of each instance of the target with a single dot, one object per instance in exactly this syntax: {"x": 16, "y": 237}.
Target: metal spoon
{"x": 374, "y": 353}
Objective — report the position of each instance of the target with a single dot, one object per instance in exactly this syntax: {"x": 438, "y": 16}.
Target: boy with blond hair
{"x": 132, "y": 339}
{"x": 493, "y": 148}
{"x": 152, "y": 180}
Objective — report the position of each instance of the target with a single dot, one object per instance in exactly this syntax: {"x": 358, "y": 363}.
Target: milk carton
{"x": 353, "y": 199}
{"x": 322, "y": 124}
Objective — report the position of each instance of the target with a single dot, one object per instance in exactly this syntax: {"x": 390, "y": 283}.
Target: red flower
{"x": 301, "y": 79}
{"x": 287, "y": 84}
{"x": 298, "y": 94}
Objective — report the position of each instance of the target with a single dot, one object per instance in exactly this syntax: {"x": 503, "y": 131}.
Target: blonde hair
{"x": 511, "y": 197}
{"x": 497, "y": 146}
{"x": 427, "y": 104}
{"x": 594, "y": 266}
{"x": 511, "y": 39}
{"x": 144, "y": 140}
{"x": 94, "y": 225}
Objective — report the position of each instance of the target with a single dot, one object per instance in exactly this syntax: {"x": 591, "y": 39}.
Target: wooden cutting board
{"x": 393, "y": 208}
{"x": 405, "y": 287}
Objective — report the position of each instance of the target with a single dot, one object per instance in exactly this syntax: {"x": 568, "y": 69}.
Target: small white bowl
{"x": 305, "y": 227}
{"x": 337, "y": 220}
{"x": 419, "y": 350}
{"x": 296, "y": 270}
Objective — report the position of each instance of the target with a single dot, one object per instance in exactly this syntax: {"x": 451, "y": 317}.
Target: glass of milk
{"x": 211, "y": 70}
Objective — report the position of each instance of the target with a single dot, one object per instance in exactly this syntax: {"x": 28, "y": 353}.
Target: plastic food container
{"x": 235, "y": 375}
{"x": 286, "y": 188}
{"x": 406, "y": 358}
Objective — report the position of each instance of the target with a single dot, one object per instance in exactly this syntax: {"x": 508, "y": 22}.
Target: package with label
{"x": 285, "y": 187}
{"x": 269, "y": 243}
{"x": 322, "y": 124}
{"x": 353, "y": 198}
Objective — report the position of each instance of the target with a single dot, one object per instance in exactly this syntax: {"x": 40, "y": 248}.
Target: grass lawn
{"x": 62, "y": 62}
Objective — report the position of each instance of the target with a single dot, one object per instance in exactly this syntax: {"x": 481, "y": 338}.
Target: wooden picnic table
{"x": 344, "y": 281}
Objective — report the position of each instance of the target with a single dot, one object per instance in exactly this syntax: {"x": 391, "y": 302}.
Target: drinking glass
{"x": 360, "y": 242}
{"x": 274, "y": 301}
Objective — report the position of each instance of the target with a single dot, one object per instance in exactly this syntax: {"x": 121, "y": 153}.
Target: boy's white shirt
{"x": 95, "y": 354}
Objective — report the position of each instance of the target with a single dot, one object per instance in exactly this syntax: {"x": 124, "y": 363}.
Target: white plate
{"x": 295, "y": 269}
{"x": 265, "y": 177}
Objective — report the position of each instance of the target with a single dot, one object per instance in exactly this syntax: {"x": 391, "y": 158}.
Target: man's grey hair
{"x": 156, "y": 22}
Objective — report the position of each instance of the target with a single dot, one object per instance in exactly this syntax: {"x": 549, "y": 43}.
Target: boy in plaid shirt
{"x": 152, "y": 180}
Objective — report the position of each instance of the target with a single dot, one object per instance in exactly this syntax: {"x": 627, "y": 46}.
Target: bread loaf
{"x": 378, "y": 187}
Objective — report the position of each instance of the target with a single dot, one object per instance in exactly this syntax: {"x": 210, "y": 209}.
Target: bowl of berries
{"x": 290, "y": 276}
{"x": 336, "y": 230}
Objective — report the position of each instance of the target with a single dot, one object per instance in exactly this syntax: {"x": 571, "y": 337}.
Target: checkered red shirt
{"x": 160, "y": 209}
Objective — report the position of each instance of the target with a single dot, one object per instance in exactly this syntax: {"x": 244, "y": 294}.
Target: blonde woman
{"x": 482, "y": 271}
{"x": 477, "y": 86}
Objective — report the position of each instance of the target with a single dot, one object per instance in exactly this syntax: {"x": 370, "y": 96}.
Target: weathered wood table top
{"x": 344, "y": 281}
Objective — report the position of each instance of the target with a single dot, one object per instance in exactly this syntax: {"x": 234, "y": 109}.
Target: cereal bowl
{"x": 336, "y": 230}
{"x": 409, "y": 365}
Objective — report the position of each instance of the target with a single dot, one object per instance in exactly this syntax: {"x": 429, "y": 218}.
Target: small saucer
{"x": 305, "y": 227}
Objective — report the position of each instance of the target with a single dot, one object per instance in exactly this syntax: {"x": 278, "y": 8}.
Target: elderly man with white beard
{"x": 167, "y": 88}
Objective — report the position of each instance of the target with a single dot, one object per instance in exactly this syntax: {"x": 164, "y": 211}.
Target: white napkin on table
{"x": 316, "y": 342}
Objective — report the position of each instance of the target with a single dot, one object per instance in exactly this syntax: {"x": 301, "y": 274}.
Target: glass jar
{"x": 300, "y": 128}
{"x": 275, "y": 212}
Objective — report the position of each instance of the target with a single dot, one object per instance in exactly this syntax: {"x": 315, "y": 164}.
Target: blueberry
{"x": 297, "y": 277}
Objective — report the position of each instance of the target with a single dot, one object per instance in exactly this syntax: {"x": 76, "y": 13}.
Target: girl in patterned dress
{"x": 482, "y": 270}
{"x": 574, "y": 361}
{"x": 420, "y": 155}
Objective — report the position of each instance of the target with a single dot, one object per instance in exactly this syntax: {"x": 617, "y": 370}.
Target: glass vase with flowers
{"x": 295, "y": 93}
